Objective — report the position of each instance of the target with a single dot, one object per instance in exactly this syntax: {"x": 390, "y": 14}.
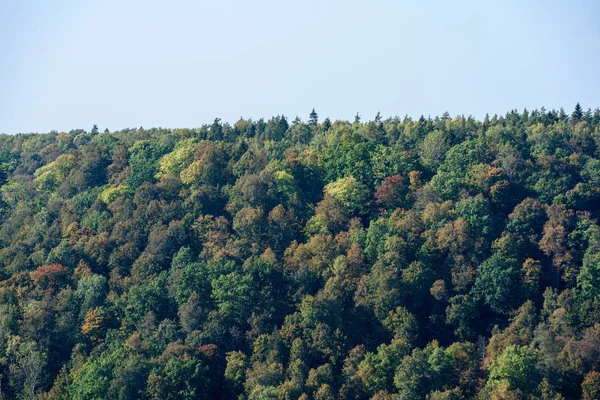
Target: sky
{"x": 68, "y": 64}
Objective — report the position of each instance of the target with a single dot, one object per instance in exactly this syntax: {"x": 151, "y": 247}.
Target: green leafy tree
{"x": 26, "y": 369}
{"x": 143, "y": 161}
{"x": 497, "y": 284}
{"x": 351, "y": 194}
{"x": 517, "y": 368}
{"x": 234, "y": 296}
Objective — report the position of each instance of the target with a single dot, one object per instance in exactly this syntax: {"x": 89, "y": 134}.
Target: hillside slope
{"x": 444, "y": 258}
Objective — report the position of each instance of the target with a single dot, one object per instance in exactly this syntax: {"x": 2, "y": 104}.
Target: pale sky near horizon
{"x": 69, "y": 64}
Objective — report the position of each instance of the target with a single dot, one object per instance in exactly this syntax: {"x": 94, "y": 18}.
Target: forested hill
{"x": 444, "y": 258}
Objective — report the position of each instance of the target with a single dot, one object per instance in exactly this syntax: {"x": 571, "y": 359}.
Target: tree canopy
{"x": 398, "y": 258}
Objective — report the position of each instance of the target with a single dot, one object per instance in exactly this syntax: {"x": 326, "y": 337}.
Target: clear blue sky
{"x": 68, "y": 64}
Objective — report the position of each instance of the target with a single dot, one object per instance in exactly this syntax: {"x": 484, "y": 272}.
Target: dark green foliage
{"x": 442, "y": 258}
{"x": 313, "y": 118}
{"x": 497, "y": 284}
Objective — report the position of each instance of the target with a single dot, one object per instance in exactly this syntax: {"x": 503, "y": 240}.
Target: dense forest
{"x": 438, "y": 258}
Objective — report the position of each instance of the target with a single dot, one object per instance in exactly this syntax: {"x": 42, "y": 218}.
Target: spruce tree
{"x": 313, "y": 118}
{"x": 577, "y": 113}
{"x": 562, "y": 115}
{"x": 596, "y": 117}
